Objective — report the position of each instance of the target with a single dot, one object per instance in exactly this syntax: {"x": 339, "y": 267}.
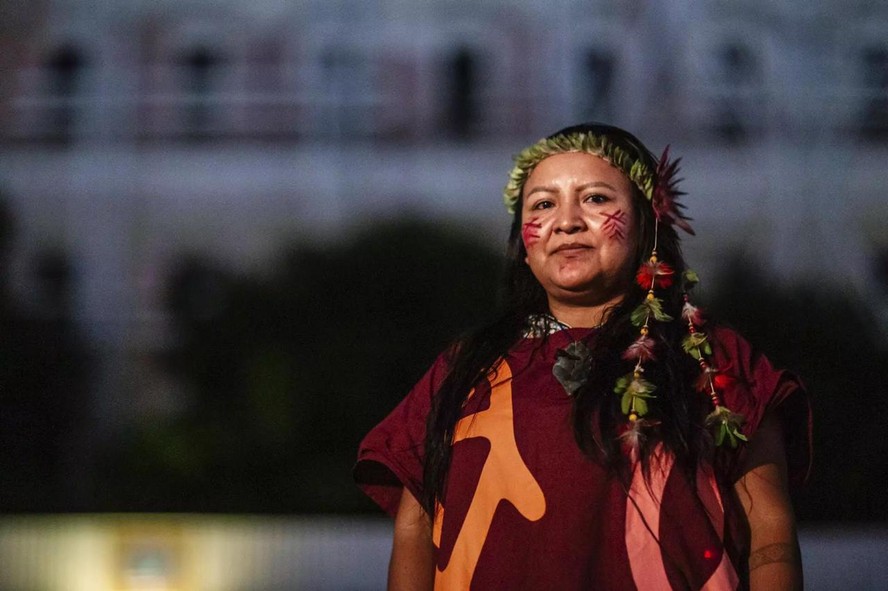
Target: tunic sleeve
{"x": 756, "y": 388}
{"x": 391, "y": 455}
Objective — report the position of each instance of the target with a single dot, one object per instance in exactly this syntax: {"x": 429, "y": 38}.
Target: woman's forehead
{"x": 579, "y": 164}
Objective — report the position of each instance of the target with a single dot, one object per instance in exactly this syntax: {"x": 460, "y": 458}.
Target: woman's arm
{"x": 774, "y": 560}
{"x": 412, "y": 567}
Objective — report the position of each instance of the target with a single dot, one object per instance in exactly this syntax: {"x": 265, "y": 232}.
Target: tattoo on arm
{"x": 782, "y": 552}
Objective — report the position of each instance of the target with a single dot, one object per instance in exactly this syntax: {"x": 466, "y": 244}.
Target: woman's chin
{"x": 588, "y": 292}
{"x": 575, "y": 283}
{"x": 577, "y": 294}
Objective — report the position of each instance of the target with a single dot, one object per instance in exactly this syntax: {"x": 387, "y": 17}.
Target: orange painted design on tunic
{"x": 504, "y": 476}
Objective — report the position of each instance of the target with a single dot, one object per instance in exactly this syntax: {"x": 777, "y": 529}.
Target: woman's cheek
{"x": 613, "y": 226}
{"x": 531, "y": 231}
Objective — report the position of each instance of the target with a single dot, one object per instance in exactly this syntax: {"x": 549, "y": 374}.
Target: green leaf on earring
{"x": 727, "y": 426}
{"x": 649, "y": 308}
{"x": 694, "y": 343}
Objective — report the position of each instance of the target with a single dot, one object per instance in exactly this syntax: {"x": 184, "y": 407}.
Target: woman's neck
{"x": 581, "y": 316}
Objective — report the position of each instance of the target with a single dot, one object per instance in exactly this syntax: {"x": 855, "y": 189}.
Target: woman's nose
{"x": 570, "y": 219}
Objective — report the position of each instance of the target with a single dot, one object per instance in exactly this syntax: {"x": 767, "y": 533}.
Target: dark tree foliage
{"x": 829, "y": 338}
{"x": 287, "y": 372}
{"x": 44, "y": 404}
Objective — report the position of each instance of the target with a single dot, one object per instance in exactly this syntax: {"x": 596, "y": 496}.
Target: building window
{"x": 596, "y": 86}
{"x": 737, "y": 72}
{"x": 460, "y": 117}
{"x": 64, "y": 71}
{"x": 348, "y": 94}
{"x": 199, "y": 66}
{"x": 269, "y": 110}
{"x": 874, "y": 114}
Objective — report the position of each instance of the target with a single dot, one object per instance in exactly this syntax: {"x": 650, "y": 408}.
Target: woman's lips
{"x": 571, "y": 248}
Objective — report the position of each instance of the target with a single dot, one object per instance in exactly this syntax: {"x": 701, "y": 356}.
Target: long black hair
{"x": 597, "y": 417}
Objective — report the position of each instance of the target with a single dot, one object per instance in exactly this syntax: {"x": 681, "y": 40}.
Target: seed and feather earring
{"x": 634, "y": 390}
{"x": 654, "y": 274}
{"x": 724, "y": 422}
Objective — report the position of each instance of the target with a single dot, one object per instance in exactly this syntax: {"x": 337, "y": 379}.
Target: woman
{"x": 598, "y": 434}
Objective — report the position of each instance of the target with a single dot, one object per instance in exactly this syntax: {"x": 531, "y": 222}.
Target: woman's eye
{"x": 598, "y": 198}
{"x": 542, "y": 205}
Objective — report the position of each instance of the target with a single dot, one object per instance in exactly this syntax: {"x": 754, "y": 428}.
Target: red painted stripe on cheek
{"x": 530, "y": 232}
{"x": 614, "y": 226}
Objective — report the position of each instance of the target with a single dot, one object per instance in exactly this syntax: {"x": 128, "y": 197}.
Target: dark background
{"x": 286, "y": 372}
{"x": 233, "y": 235}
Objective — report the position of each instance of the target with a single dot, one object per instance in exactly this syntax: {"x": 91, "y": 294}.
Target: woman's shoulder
{"x": 743, "y": 370}
{"x": 434, "y": 376}
{"x": 735, "y": 355}
{"x": 753, "y": 387}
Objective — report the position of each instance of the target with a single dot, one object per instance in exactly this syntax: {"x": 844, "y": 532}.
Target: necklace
{"x": 573, "y": 362}
{"x": 572, "y": 365}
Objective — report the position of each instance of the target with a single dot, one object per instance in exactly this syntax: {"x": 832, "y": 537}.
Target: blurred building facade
{"x": 134, "y": 131}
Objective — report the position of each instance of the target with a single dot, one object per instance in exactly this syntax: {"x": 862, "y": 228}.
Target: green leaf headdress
{"x": 597, "y": 145}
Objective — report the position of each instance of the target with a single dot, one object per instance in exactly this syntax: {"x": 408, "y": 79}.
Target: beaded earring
{"x": 722, "y": 420}
{"x": 652, "y": 275}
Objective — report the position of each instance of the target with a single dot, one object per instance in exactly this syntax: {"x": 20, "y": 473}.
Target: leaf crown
{"x": 641, "y": 175}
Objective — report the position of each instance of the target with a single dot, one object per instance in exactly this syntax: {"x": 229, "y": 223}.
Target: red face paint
{"x": 530, "y": 232}
{"x": 614, "y": 225}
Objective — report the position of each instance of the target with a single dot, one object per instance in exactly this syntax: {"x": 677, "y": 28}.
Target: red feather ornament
{"x": 723, "y": 380}
{"x": 654, "y": 275}
{"x": 634, "y": 435}
{"x": 693, "y": 314}
{"x": 642, "y": 349}
{"x": 702, "y": 382}
{"x": 720, "y": 377}
{"x": 665, "y": 196}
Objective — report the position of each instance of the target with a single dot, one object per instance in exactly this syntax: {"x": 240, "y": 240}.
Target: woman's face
{"x": 579, "y": 228}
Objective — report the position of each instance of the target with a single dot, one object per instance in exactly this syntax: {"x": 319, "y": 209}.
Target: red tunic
{"x": 527, "y": 510}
